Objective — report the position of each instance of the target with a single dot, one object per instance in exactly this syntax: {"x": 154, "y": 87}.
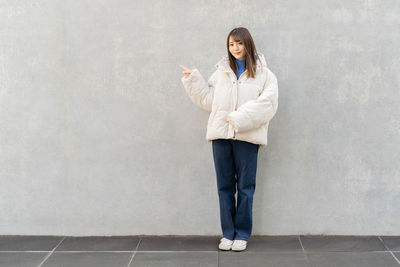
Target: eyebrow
{"x": 236, "y": 41}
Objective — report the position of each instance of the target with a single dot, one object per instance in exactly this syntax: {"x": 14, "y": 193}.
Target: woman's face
{"x": 236, "y": 48}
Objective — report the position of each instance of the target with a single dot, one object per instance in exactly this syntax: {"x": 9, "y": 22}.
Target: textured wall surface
{"x": 98, "y": 136}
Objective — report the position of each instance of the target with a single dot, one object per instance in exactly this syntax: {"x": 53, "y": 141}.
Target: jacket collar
{"x": 223, "y": 63}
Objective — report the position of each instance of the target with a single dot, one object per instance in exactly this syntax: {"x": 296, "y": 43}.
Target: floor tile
{"x": 274, "y": 243}
{"x": 29, "y": 243}
{"x": 178, "y": 243}
{"x": 88, "y": 259}
{"x": 99, "y": 243}
{"x": 21, "y": 259}
{"x": 397, "y": 255}
{"x": 392, "y": 242}
{"x": 258, "y": 259}
{"x": 175, "y": 259}
{"x": 342, "y": 243}
{"x": 352, "y": 259}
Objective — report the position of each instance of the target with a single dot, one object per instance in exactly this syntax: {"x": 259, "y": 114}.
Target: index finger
{"x": 183, "y": 67}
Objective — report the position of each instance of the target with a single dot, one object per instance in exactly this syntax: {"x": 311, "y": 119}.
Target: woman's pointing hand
{"x": 186, "y": 71}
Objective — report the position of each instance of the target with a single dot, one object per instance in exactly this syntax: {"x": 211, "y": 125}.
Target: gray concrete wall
{"x": 98, "y": 136}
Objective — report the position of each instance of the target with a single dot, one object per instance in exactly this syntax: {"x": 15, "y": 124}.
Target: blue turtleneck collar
{"x": 241, "y": 64}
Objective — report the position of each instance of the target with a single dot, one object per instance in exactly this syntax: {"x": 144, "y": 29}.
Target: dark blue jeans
{"x": 235, "y": 165}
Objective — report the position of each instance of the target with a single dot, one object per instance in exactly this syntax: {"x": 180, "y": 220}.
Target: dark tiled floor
{"x": 175, "y": 251}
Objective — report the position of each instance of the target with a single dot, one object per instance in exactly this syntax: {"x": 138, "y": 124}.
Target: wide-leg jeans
{"x": 236, "y": 166}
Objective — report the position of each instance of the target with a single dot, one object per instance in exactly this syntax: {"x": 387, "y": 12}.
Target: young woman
{"x": 242, "y": 95}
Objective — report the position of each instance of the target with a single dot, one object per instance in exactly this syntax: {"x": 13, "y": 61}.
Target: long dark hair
{"x": 242, "y": 34}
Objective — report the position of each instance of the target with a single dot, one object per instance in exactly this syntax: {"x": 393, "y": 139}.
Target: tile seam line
{"x": 216, "y": 251}
{"x": 176, "y": 251}
{"x": 51, "y": 252}
{"x": 301, "y": 243}
{"x": 347, "y": 251}
{"x": 304, "y": 251}
{"x": 64, "y": 251}
{"x": 102, "y": 251}
{"x": 134, "y": 252}
{"x": 387, "y": 248}
{"x": 149, "y": 251}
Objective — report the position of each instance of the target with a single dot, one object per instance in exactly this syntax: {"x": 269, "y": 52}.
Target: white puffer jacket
{"x": 248, "y": 103}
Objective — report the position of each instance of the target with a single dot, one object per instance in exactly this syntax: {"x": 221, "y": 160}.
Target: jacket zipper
{"x": 237, "y": 79}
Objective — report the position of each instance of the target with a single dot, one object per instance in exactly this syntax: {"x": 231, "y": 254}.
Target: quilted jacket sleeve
{"x": 200, "y": 92}
{"x": 257, "y": 112}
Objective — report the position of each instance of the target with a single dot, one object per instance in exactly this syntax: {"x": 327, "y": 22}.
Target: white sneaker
{"x": 225, "y": 244}
{"x": 239, "y": 245}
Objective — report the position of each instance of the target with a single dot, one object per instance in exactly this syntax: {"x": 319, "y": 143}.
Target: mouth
{"x": 237, "y": 53}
